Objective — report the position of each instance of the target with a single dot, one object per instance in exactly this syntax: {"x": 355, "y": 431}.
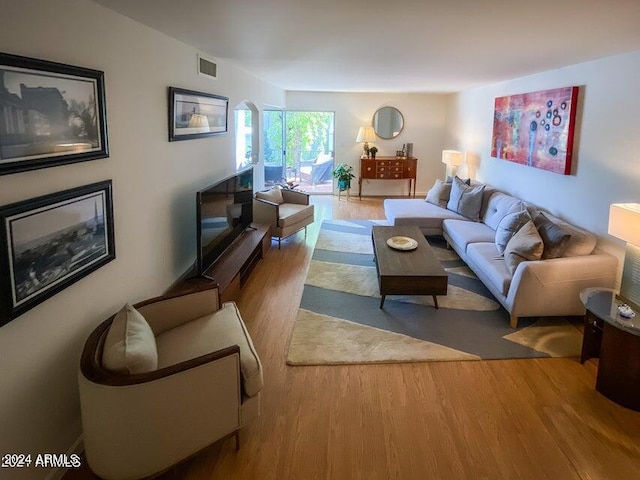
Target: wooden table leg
{"x": 435, "y": 301}
{"x": 382, "y": 300}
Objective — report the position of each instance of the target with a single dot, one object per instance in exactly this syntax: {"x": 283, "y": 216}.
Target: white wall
{"x": 424, "y": 125}
{"x": 154, "y": 184}
{"x": 606, "y": 162}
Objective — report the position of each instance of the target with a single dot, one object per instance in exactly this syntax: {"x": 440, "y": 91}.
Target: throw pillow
{"x": 439, "y": 193}
{"x": 450, "y": 180}
{"x": 555, "y": 238}
{"x": 273, "y": 195}
{"x": 465, "y": 199}
{"x": 509, "y": 226}
{"x": 130, "y": 346}
{"x": 526, "y": 244}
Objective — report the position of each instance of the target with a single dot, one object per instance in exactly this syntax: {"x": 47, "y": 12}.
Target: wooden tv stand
{"x": 231, "y": 271}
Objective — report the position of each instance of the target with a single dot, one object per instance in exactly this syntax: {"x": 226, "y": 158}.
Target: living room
{"x": 305, "y": 430}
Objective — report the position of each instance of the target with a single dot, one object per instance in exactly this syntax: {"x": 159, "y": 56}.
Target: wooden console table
{"x": 388, "y": 168}
{"x": 232, "y": 269}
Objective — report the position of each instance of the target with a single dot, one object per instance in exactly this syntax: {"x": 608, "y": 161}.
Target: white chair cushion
{"x": 209, "y": 334}
{"x": 292, "y": 213}
{"x": 130, "y": 346}
{"x": 272, "y": 195}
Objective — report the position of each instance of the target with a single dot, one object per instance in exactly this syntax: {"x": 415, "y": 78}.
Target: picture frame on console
{"x": 196, "y": 114}
{"x": 50, "y": 242}
{"x": 53, "y": 114}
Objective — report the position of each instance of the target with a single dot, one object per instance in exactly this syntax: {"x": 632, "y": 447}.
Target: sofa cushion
{"x": 509, "y": 226}
{"x": 463, "y": 232}
{"x": 465, "y": 199}
{"x": 130, "y": 346}
{"x": 209, "y": 334}
{"x": 555, "y": 238}
{"x": 292, "y": 213}
{"x": 439, "y": 193}
{"x": 272, "y": 195}
{"x": 484, "y": 257}
{"x": 581, "y": 241}
{"x": 526, "y": 244}
{"x": 499, "y": 205}
{"x": 425, "y": 215}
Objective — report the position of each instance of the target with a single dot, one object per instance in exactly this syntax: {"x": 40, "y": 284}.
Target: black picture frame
{"x": 50, "y": 242}
{"x": 53, "y": 114}
{"x": 196, "y": 114}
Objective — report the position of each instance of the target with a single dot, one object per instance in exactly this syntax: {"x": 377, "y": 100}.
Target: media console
{"x": 232, "y": 270}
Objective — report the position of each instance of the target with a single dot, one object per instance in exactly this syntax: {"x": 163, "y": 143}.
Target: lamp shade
{"x": 624, "y": 222}
{"x": 452, "y": 157}
{"x": 198, "y": 120}
{"x": 366, "y": 134}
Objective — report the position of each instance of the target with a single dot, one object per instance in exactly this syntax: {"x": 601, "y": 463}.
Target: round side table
{"x": 617, "y": 342}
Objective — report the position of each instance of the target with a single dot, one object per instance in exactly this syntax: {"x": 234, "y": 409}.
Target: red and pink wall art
{"x": 536, "y": 129}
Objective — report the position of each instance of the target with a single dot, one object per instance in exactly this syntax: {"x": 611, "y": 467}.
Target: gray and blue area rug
{"x": 339, "y": 321}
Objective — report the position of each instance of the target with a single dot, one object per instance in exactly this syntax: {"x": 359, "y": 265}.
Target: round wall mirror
{"x": 388, "y": 122}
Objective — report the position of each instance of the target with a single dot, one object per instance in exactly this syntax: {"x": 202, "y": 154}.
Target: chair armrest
{"x": 206, "y": 398}
{"x": 294, "y": 196}
{"x": 559, "y": 282}
{"x": 168, "y": 311}
{"x": 266, "y": 212}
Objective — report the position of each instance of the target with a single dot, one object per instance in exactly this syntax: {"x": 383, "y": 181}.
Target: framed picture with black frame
{"x": 50, "y": 242}
{"x": 51, "y": 114}
{"x": 196, "y": 114}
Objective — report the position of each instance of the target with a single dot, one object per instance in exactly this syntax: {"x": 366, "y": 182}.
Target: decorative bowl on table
{"x": 402, "y": 243}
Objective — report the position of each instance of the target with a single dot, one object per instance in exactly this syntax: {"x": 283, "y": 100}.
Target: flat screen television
{"x": 224, "y": 211}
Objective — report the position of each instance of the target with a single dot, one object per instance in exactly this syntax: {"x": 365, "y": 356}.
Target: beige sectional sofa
{"x": 548, "y": 287}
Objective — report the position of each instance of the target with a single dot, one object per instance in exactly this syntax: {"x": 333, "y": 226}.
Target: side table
{"x": 616, "y": 342}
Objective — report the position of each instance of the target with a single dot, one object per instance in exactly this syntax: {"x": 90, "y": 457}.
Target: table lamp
{"x": 624, "y": 223}
{"x": 452, "y": 158}
{"x": 366, "y": 135}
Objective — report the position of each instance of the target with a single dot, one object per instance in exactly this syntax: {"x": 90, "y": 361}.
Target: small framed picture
{"x": 52, "y": 114}
{"x": 50, "y": 242}
{"x": 196, "y": 114}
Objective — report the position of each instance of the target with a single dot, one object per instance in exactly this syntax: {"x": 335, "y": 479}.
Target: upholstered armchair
{"x": 287, "y": 211}
{"x": 164, "y": 379}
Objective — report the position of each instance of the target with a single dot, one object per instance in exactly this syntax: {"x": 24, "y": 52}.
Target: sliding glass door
{"x": 299, "y": 148}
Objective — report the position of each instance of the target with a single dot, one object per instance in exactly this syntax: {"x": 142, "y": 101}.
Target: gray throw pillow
{"x": 526, "y": 244}
{"x": 439, "y": 193}
{"x": 509, "y": 226}
{"x": 555, "y": 238}
{"x": 465, "y": 199}
{"x": 450, "y": 180}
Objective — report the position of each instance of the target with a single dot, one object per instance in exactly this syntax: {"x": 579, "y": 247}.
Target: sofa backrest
{"x": 498, "y": 205}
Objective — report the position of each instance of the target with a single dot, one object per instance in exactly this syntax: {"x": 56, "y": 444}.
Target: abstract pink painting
{"x": 536, "y": 129}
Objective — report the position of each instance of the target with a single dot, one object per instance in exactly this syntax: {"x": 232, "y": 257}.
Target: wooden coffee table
{"x": 411, "y": 272}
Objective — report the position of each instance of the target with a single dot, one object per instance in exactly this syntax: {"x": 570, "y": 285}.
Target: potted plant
{"x": 373, "y": 151}
{"x": 343, "y": 174}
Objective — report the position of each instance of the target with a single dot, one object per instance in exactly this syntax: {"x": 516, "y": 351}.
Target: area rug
{"x": 339, "y": 320}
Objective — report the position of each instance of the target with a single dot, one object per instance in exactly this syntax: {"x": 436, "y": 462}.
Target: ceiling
{"x": 394, "y": 46}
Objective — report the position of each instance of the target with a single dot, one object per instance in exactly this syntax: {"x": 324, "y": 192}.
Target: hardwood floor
{"x": 503, "y": 419}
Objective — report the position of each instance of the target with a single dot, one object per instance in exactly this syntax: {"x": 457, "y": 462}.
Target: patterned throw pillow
{"x": 465, "y": 199}
{"x": 509, "y": 226}
{"x": 526, "y": 244}
{"x": 555, "y": 238}
{"x": 439, "y": 193}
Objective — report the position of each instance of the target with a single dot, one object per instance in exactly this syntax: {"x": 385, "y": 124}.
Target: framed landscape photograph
{"x": 52, "y": 114}
{"x": 50, "y": 242}
{"x": 536, "y": 129}
{"x": 196, "y": 114}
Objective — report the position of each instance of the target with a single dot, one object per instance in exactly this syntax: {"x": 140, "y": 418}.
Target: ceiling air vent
{"x": 207, "y": 68}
